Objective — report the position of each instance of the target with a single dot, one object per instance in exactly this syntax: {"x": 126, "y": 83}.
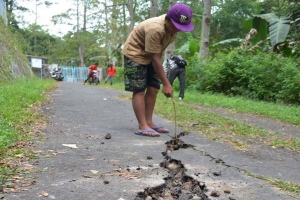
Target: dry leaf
{"x": 70, "y": 145}
{"x": 130, "y": 176}
{"x": 45, "y": 194}
{"x": 85, "y": 176}
{"x": 94, "y": 171}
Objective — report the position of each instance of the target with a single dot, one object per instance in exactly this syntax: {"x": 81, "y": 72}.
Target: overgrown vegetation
{"x": 260, "y": 76}
{"x": 18, "y": 99}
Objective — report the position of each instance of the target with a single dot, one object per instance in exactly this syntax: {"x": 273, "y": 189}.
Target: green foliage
{"x": 226, "y": 45}
{"x": 229, "y": 17}
{"x": 119, "y": 76}
{"x": 282, "y": 40}
{"x": 266, "y": 77}
{"x": 250, "y": 72}
{"x": 17, "y": 119}
{"x": 259, "y": 24}
{"x": 15, "y": 100}
{"x": 278, "y": 28}
{"x": 281, "y": 7}
{"x": 190, "y": 48}
{"x": 7, "y": 135}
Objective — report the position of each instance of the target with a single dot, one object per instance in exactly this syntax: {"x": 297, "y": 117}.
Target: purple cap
{"x": 181, "y": 17}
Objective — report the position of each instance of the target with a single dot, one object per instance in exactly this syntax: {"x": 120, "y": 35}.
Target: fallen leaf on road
{"x": 70, "y": 145}
{"x": 130, "y": 176}
{"x": 45, "y": 194}
{"x": 94, "y": 171}
{"x": 86, "y": 176}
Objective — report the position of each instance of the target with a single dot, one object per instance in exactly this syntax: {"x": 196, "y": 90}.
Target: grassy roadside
{"x": 294, "y": 188}
{"x": 18, "y": 101}
{"x": 284, "y": 113}
{"x": 218, "y": 127}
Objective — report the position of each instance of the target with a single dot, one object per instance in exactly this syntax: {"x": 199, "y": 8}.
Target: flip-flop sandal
{"x": 146, "y": 133}
{"x": 160, "y": 129}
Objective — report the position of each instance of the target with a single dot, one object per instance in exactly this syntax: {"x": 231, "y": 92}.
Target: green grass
{"x": 282, "y": 112}
{"x": 284, "y": 185}
{"x": 285, "y": 113}
{"x": 18, "y": 99}
{"x": 218, "y": 127}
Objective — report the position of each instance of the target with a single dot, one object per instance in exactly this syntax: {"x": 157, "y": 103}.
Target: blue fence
{"x": 77, "y": 74}
{"x": 3, "y": 11}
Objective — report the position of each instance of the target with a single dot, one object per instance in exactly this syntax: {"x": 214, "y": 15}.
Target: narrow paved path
{"x": 76, "y": 162}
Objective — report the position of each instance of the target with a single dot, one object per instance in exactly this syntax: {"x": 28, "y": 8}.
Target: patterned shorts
{"x": 138, "y": 77}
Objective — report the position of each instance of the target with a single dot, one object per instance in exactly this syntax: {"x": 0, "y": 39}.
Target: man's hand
{"x": 167, "y": 91}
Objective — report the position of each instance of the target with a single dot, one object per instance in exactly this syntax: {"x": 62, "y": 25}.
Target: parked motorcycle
{"x": 57, "y": 74}
{"x": 94, "y": 78}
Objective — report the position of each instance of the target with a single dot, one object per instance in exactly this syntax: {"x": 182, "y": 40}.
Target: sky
{"x": 45, "y": 14}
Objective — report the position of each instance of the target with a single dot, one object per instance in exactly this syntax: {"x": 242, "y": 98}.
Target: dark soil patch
{"x": 177, "y": 185}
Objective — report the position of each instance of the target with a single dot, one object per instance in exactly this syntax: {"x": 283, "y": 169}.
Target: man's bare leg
{"x": 139, "y": 108}
{"x": 150, "y": 100}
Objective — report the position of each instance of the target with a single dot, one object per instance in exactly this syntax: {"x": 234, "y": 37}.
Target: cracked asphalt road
{"x": 118, "y": 168}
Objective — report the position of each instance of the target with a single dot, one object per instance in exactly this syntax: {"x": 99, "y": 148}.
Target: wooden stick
{"x": 175, "y": 134}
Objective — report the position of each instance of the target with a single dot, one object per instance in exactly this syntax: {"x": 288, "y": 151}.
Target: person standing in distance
{"x": 143, "y": 70}
{"x": 175, "y": 70}
{"x": 111, "y": 70}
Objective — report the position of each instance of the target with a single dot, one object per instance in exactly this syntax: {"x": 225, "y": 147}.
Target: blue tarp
{"x": 77, "y": 74}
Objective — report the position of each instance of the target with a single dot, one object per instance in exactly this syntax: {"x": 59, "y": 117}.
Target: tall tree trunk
{"x": 35, "y": 26}
{"x": 9, "y": 11}
{"x": 169, "y": 50}
{"x": 106, "y": 23}
{"x": 206, "y": 19}
{"x": 130, "y": 8}
{"x": 83, "y": 35}
{"x": 80, "y": 32}
{"x": 154, "y": 8}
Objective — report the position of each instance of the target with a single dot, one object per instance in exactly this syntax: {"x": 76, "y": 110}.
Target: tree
{"x": 206, "y": 20}
{"x": 154, "y": 8}
{"x": 86, "y": 12}
{"x": 169, "y": 50}
{"x": 131, "y": 9}
{"x": 228, "y": 18}
{"x": 79, "y": 30}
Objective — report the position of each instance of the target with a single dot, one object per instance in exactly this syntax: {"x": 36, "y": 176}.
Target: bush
{"x": 119, "y": 76}
{"x": 267, "y": 77}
